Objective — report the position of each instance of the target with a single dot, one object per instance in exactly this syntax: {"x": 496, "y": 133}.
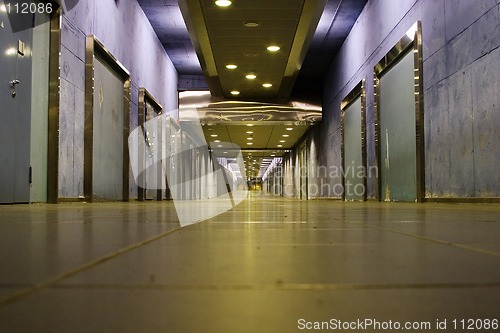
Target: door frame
{"x": 146, "y": 97}
{"x": 94, "y": 48}
{"x": 412, "y": 40}
{"x": 359, "y": 91}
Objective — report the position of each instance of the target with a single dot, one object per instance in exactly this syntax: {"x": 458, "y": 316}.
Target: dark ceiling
{"x": 334, "y": 25}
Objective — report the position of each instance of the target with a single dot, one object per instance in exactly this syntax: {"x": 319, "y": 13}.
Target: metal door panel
{"x": 398, "y": 132}
{"x": 108, "y": 134}
{"x": 353, "y": 157}
{"x": 15, "y": 113}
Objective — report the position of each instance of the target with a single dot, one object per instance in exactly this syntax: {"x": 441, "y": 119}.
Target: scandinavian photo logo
{"x": 171, "y": 156}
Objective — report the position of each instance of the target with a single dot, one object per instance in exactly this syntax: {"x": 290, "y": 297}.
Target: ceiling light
{"x": 279, "y": 146}
{"x": 285, "y": 135}
{"x": 289, "y": 129}
{"x": 217, "y": 141}
{"x": 273, "y": 48}
{"x": 249, "y": 143}
{"x": 220, "y": 146}
{"x": 214, "y": 135}
{"x": 223, "y": 3}
{"x": 249, "y": 138}
{"x": 231, "y": 66}
{"x": 235, "y": 92}
{"x": 249, "y": 132}
{"x": 267, "y": 85}
{"x": 252, "y": 24}
{"x": 282, "y": 141}
{"x": 273, "y": 155}
{"x": 249, "y": 125}
{"x": 251, "y": 76}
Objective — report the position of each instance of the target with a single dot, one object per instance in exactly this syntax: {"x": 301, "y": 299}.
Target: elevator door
{"x": 303, "y": 173}
{"x": 153, "y": 138}
{"x": 398, "y": 132}
{"x": 353, "y": 157}
{"x": 15, "y": 112}
{"x": 108, "y": 134}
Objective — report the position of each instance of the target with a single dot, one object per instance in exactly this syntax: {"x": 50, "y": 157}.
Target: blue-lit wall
{"x": 461, "y": 57}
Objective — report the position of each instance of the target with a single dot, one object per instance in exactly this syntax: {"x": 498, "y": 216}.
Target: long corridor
{"x": 268, "y": 265}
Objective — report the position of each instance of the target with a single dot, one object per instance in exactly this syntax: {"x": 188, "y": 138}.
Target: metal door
{"x": 15, "y": 112}
{"x": 353, "y": 170}
{"x": 108, "y": 134}
{"x": 398, "y": 132}
{"x": 153, "y": 139}
{"x": 303, "y": 172}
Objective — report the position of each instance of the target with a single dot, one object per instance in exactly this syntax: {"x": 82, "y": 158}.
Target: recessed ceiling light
{"x": 235, "y": 92}
{"x": 214, "y": 135}
{"x": 251, "y": 76}
{"x": 249, "y": 132}
{"x": 285, "y": 135}
{"x": 217, "y": 141}
{"x": 249, "y": 143}
{"x": 250, "y": 125}
{"x": 279, "y": 146}
{"x": 282, "y": 141}
{"x": 249, "y": 138}
{"x": 220, "y": 146}
{"x": 252, "y": 24}
{"x": 273, "y": 48}
{"x": 289, "y": 129}
{"x": 223, "y": 3}
{"x": 231, "y": 66}
{"x": 267, "y": 85}
{"x": 273, "y": 155}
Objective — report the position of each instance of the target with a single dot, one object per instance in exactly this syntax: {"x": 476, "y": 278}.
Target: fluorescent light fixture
{"x": 267, "y": 85}
{"x": 282, "y": 141}
{"x": 223, "y": 3}
{"x": 249, "y": 143}
{"x": 251, "y": 76}
{"x": 214, "y": 135}
{"x": 231, "y": 66}
{"x": 289, "y": 129}
{"x": 273, "y": 48}
{"x": 217, "y": 141}
{"x": 279, "y": 146}
{"x": 250, "y": 125}
{"x": 285, "y": 135}
{"x": 252, "y": 24}
{"x": 249, "y": 132}
{"x": 235, "y": 92}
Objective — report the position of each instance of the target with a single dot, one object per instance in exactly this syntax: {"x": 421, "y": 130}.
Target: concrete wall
{"x": 125, "y": 31}
{"x": 461, "y": 91}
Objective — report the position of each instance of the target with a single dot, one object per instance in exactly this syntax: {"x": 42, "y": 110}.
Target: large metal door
{"x": 398, "y": 132}
{"x": 15, "y": 112}
{"x": 153, "y": 138}
{"x": 354, "y": 188}
{"x": 108, "y": 134}
{"x": 303, "y": 173}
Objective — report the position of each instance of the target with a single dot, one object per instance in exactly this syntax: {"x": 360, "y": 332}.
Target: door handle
{"x": 14, "y": 82}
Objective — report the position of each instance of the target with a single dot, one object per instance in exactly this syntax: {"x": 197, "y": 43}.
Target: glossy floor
{"x": 268, "y": 265}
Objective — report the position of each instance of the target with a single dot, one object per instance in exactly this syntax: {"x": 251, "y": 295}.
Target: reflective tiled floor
{"x": 262, "y": 267}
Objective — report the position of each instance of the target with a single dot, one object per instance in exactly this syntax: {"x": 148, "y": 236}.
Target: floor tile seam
{"x": 435, "y": 240}
{"x": 51, "y": 281}
{"x": 276, "y": 286}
